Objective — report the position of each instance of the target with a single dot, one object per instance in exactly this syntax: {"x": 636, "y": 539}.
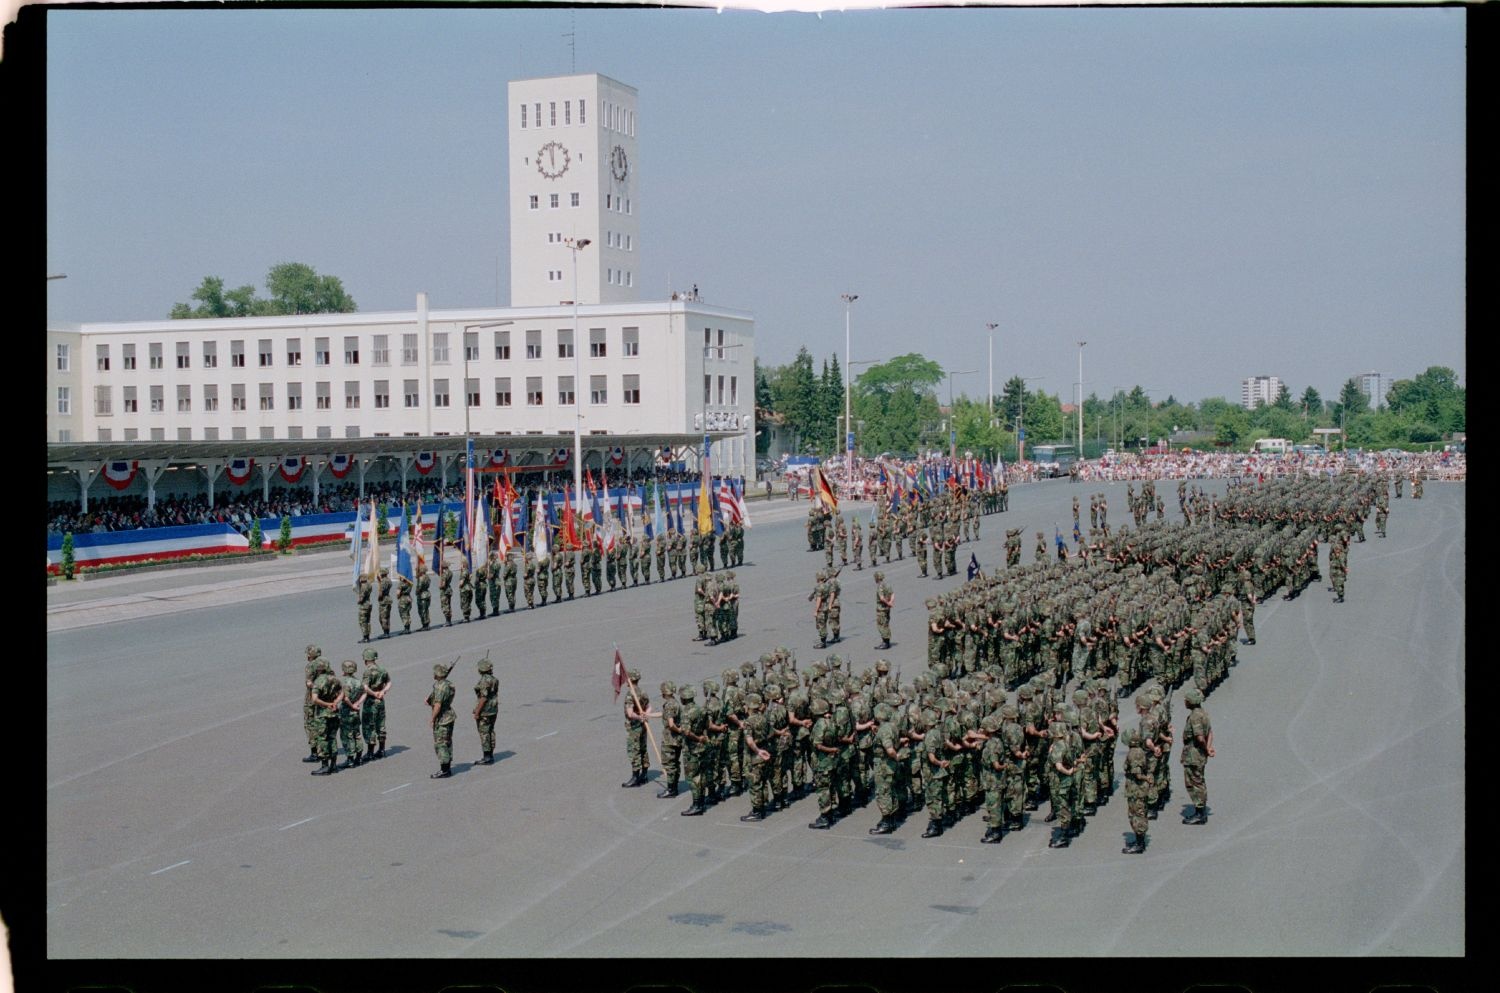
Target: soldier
{"x": 328, "y": 693}
{"x": 445, "y": 592}
{"x": 611, "y": 560}
{"x": 486, "y": 709}
{"x": 372, "y": 721}
{"x": 1197, "y": 749}
{"x": 481, "y": 581}
{"x": 716, "y": 747}
{"x": 1094, "y": 509}
{"x": 757, "y": 735}
{"x": 528, "y": 574}
{"x": 637, "y": 713}
{"x": 1061, "y": 766}
{"x": 885, "y": 599}
{"x": 384, "y": 600}
{"x": 819, "y": 597}
{"x": 497, "y": 570}
{"x": 350, "y": 702}
{"x": 1338, "y": 565}
{"x": 695, "y": 729}
{"x": 857, "y": 542}
{"x": 841, "y": 535}
{"x": 562, "y": 573}
{"x": 833, "y": 607}
{"x": 935, "y": 777}
{"x": 1012, "y": 773}
{"x": 671, "y": 740}
{"x": 890, "y": 757}
{"x": 442, "y": 719}
{"x": 700, "y": 606}
{"x": 1041, "y": 548}
{"x": 312, "y": 728}
{"x": 403, "y": 602}
{"x": 1382, "y": 514}
{"x": 510, "y": 581}
{"x": 543, "y": 577}
{"x": 1416, "y": 486}
{"x": 825, "y": 743}
{"x": 465, "y": 588}
{"x": 363, "y": 589}
{"x": 660, "y": 545}
{"x": 919, "y": 543}
{"x": 424, "y": 594}
{"x": 1137, "y": 792}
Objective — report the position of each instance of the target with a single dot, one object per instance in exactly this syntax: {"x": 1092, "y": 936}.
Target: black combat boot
{"x": 886, "y": 826}
{"x": 370, "y": 753}
{"x": 351, "y": 760}
{"x": 324, "y": 768}
{"x": 311, "y": 757}
{"x": 669, "y": 790}
{"x": 696, "y": 810}
{"x": 634, "y": 780}
{"x": 1202, "y": 817}
{"x": 756, "y": 814}
{"x": 1051, "y": 816}
{"x": 934, "y": 828}
{"x": 991, "y": 836}
{"x": 380, "y": 752}
{"x": 823, "y": 823}
{"x": 1060, "y": 839}
{"x": 1137, "y": 846}
{"x": 489, "y": 759}
{"x": 443, "y": 772}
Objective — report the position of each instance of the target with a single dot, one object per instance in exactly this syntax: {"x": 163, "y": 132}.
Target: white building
{"x": 676, "y": 368}
{"x": 1259, "y": 391}
{"x": 1375, "y": 386}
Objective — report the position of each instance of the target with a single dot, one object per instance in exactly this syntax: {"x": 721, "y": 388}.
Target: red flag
{"x": 569, "y": 532}
{"x": 822, "y": 490}
{"x": 617, "y": 676}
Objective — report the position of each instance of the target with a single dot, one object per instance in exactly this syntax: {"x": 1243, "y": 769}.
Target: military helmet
{"x": 880, "y": 577}
{"x": 371, "y": 655}
{"x": 731, "y": 676}
{"x": 884, "y": 712}
{"x": 1070, "y": 714}
{"x": 1026, "y": 692}
{"x": 990, "y": 724}
{"x": 1010, "y": 712}
{"x": 747, "y": 668}
{"x": 1080, "y": 697}
{"x": 635, "y": 675}
{"x": 754, "y": 702}
{"x": 1193, "y": 697}
{"x": 1141, "y": 702}
{"x": 774, "y": 691}
{"x": 882, "y": 667}
{"x": 385, "y": 570}
{"x": 710, "y": 687}
{"x": 349, "y": 667}
{"x": 668, "y": 688}
{"x": 439, "y": 671}
{"x": 1133, "y": 737}
{"x": 485, "y": 665}
{"x": 819, "y": 706}
{"x": 322, "y": 666}
{"x": 313, "y": 651}
{"x": 687, "y": 692}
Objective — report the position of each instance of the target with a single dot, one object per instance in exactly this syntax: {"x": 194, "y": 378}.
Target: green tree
{"x": 257, "y": 539}
{"x": 69, "y": 564}
{"x": 382, "y": 523}
{"x": 975, "y": 434}
{"x": 295, "y": 288}
{"x": 284, "y": 539}
{"x": 1352, "y": 400}
{"x": 450, "y": 526}
{"x": 1433, "y": 397}
{"x": 1312, "y": 402}
{"x": 795, "y": 388}
{"x": 1230, "y": 428}
{"x": 1283, "y": 399}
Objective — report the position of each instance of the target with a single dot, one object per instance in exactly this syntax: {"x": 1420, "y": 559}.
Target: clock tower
{"x": 572, "y": 156}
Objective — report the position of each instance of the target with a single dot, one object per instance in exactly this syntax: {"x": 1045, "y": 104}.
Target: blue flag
{"x": 403, "y": 548}
{"x": 973, "y": 565}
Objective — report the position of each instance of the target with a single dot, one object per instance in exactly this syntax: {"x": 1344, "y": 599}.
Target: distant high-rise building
{"x": 1258, "y": 390}
{"x": 1375, "y": 386}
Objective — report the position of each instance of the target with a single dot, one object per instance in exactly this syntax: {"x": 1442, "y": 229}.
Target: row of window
{"x": 268, "y": 433}
{"x": 630, "y": 342}
{"x": 156, "y": 396}
{"x": 554, "y": 201}
{"x": 620, "y": 240}
{"x": 616, "y": 118}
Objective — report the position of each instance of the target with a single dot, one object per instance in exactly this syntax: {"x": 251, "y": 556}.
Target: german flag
{"x": 822, "y": 490}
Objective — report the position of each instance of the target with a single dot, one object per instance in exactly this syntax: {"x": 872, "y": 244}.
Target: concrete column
{"x": 211, "y": 471}
{"x": 360, "y": 464}
{"x": 153, "y": 470}
{"x": 266, "y": 468}
{"x": 86, "y": 473}
{"x": 317, "y": 471}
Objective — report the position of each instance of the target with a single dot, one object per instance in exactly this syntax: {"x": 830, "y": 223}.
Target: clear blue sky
{"x": 1202, "y": 195}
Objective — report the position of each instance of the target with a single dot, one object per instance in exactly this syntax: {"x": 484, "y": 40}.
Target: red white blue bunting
{"x": 616, "y": 455}
{"x": 238, "y": 470}
{"x": 291, "y": 467}
{"x": 425, "y": 462}
{"x": 120, "y": 474}
{"x": 340, "y": 465}
{"x": 561, "y": 456}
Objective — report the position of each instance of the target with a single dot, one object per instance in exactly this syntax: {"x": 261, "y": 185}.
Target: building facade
{"x": 649, "y": 368}
{"x": 1375, "y": 386}
{"x": 1259, "y": 391}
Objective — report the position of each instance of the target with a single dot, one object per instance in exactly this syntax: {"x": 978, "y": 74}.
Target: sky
{"x": 1200, "y": 194}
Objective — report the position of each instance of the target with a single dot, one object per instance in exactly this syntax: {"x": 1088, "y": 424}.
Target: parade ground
{"x": 182, "y": 823}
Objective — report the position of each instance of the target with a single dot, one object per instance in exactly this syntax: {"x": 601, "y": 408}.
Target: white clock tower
{"x": 573, "y": 175}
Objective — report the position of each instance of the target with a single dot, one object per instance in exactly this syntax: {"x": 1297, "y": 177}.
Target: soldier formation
{"x": 344, "y": 710}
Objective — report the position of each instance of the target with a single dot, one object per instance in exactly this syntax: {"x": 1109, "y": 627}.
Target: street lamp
{"x": 990, "y": 398}
{"x": 848, "y": 299}
{"x": 1080, "y": 398}
{"x": 575, "y": 245}
{"x": 465, "y": 343}
{"x": 952, "y": 420}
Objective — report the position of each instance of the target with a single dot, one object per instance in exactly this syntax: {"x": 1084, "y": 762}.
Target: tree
{"x": 257, "y": 539}
{"x": 1231, "y": 428}
{"x": 284, "y": 540}
{"x": 1433, "y": 397}
{"x": 1283, "y": 399}
{"x": 796, "y": 392}
{"x": 295, "y": 289}
{"x": 450, "y": 526}
{"x": 68, "y": 562}
{"x": 1352, "y": 399}
{"x": 1312, "y": 403}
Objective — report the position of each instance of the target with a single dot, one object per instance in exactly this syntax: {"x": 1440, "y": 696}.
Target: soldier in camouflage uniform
{"x": 856, "y": 542}
{"x": 637, "y": 713}
{"x": 486, "y": 710}
{"x": 350, "y": 702}
{"x": 825, "y": 743}
{"x": 1062, "y": 769}
{"x": 695, "y": 730}
{"x": 385, "y": 601}
{"x": 327, "y": 693}
{"x": 442, "y": 719}
{"x": 833, "y": 606}
{"x": 756, "y": 733}
{"x": 508, "y": 571}
{"x": 481, "y": 582}
{"x": 424, "y": 595}
{"x": 1197, "y": 749}
{"x": 445, "y": 591}
{"x": 543, "y": 577}
{"x": 312, "y": 728}
{"x": 363, "y": 590}
{"x": 372, "y": 721}
{"x": 890, "y": 756}
{"x": 659, "y": 544}
{"x": 528, "y": 577}
{"x": 671, "y": 740}
{"x": 1137, "y": 792}
{"x": 557, "y": 564}
{"x": 403, "y": 602}
{"x": 465, "y": 588}
{"x": 885, "y": 600}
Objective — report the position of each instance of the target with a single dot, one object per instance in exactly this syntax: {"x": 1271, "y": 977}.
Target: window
{"x": 734, "y": 391}
{"x": 412, "y": 398}
{"x": 608, "y": 199}
{"x": 237, "y": 434}
{"x": 183, "y": 359}
{"x": 596, "y": 343}
{"x": 210, "y": 355}
{"x": 158, "y": 434}
{"x": 351, "y": 350}
{"x": 324, "y": 394}
{"x": 573, "y": 200}
{"x": 567, "y": 112}
{"x": 552, "y": 113}
{"x": 536, "y": 201}
{"x": 184, "y": 434}
{"x": 629, "y": 279}
{"x": 523, "y": 117}
{"x": 629, "y": 246}
{"x": 101, "y": 353}
{"x": 565, "y": 391}
{"x": 104, "y": 435}
{"x": 293, "y": 396}
{"x": 64, "y": 399}
{"x": 581, "y": 119}
{"x": 598, "y": 390}
{"x": 184, "y": 398}
{"x": 321, "y": 354}
{"x": 267, "y": 397}
{"x": 158, "y": 400}
{"x": 502, "y": 344}
{"x": 565, "y": 344}
{"x": 351, "y": 431}
{"x": 408, "y": 349}
{"x": 237, "y": 397}
{"x": 439, "y": 393}
{"x": 721, "y": 390}
{"x": 502, "y": 391}
{"x": 471, "y": 392}
{"x": 62, "y": 363}
{"x": 471, "y": 346}
{"x": 210, "y": 434}
{"x": 351, "y": 394}
{"x": 552, "y": 199}
{"x": 154, "y": 353}
{"x": 267, "y": 433}
{"x": 632, "y": 342}
{"x": 127, "y": 357}
{"x": 128, "y": 403}
{"x": 721, "y": 343}
{"x": 294, "y": 351}
{"x": 533, "y": 344}
{"x": 708, "y": 383}
{"x": 538, "y": 108}
{"x": 131, "y": 434}
{"x": 381, "y": 350}
{"x": 324, "y": 431}
{"x": 236, "y": 355}
{"x": 533, "y": 391}
{"x": 631, "y": 394}
{"x": 382, "y": 394}
{"x": 440, "y": 346}
{"x": 211, "y": 398}
{"x": 264, "y": 350}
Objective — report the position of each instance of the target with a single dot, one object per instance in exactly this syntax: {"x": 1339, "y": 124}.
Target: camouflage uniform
{"x": 443, "y": 719}
{"x": 671, "y": 740}
{"x": 1197, "y": 746}
{"x": 385, "y": 601}
{"x": 349, "y": 715}
{"x": 883, "y": 598}
{"x": 327, "y": 692}
{"x": 486, "y": 710}
{"x": 362, "y": 592}
{"x": 372, "y": 720}
{"x": 637, "y": 704}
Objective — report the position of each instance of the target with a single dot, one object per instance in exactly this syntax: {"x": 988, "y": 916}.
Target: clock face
{"x": 619, "y": 164}
{"x": 552, "y": 159}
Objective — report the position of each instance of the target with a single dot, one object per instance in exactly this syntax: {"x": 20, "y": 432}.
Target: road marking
{"x": 295, "y": 823}
{"x": 394, "y": 789}
{"x": 173, "y": 866}
{"x": 541, "y": 736}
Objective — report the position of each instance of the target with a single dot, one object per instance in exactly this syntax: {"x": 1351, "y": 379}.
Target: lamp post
{"x": 990, "y": 398}
{"x": 465, "y": 344}
{"x": 1080, "y": 398}
{"x": 952, "y": 420}
{"x": 848, "y": 299}
{"x": 575, "y": 245}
